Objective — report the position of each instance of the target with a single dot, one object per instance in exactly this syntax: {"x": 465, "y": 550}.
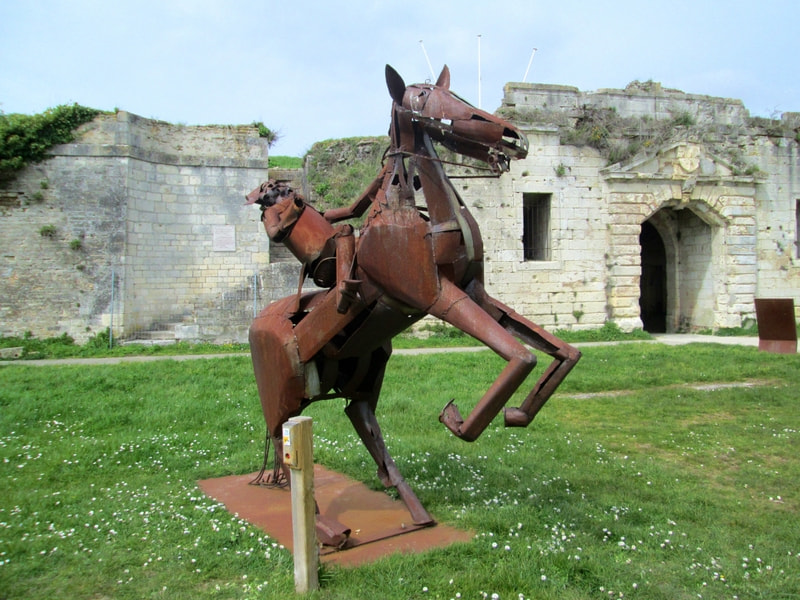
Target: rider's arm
{"x": 334, "y": 215}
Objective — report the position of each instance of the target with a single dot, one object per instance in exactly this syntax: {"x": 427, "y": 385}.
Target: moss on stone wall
{"x": 618, "y": 139}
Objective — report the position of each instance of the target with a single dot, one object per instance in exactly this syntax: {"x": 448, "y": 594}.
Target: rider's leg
{"x": 346, "y": 288}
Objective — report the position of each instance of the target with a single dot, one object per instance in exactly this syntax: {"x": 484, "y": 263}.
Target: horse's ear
{"x": 396, "y": 85}
{"x": 444, "y": 79}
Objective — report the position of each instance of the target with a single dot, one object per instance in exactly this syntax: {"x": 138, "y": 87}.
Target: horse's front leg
{"x": 455, "y": 307}
{"x": 565, "y": 357}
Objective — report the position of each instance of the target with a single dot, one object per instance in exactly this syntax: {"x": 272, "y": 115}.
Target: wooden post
{"x": 298, "y": 455}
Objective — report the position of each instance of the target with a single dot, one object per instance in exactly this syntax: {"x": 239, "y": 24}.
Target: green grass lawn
{"x": 644, "y": 477}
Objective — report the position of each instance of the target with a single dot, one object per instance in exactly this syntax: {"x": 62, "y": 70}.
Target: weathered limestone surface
{"x": 161, "y": 206}
{"x": 729, "y": 236}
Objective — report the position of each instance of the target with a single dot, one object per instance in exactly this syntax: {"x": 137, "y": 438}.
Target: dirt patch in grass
{"x": 702, "y": 387}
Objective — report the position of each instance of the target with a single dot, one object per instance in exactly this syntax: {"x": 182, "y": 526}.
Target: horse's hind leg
{"x": 279, "y": 377}
{"x": 366, "y": 425}
{"x": 564, "y": 356}
{"x": 281, "y": 387}
{"x": 361, "y": 412}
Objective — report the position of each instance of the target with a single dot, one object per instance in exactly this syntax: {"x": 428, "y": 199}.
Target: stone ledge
{"x": 15, "y": 352}
{"x": 154, "y": 156}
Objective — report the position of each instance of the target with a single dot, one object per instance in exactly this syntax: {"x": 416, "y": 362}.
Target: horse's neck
{"x": 444, "y": 203}
{"x": 417, "y": 168}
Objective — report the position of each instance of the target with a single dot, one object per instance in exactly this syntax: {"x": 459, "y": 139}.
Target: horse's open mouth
{"x": 476, "y": 131}
{"x": 514, "y": 143}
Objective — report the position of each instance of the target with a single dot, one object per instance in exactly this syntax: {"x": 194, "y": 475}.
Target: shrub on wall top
{"x": 27, "y": 138}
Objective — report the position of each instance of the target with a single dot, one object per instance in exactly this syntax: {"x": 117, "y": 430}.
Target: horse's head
{"x": 455, "y": 123}
{"x": 268, "y": 193}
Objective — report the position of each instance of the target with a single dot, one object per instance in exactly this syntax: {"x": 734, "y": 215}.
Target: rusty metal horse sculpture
{"x": 408, "y": 261}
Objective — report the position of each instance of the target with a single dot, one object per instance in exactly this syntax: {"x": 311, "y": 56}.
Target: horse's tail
{"x": 278, "y": 478}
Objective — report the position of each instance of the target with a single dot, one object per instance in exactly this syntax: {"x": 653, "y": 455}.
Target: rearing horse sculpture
{"x": 410, "y": 259}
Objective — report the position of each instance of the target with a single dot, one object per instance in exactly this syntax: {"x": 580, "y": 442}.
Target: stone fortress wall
{"x": 140, "y": 224}
{"x": 729, "y": 231}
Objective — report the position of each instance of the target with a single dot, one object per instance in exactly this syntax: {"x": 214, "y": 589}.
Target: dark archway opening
{"x": 653, "y": 293}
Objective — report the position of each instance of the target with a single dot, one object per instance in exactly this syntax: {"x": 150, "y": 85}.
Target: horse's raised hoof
{"x": 451, "y": 417}
{"x": 514, "y": 417}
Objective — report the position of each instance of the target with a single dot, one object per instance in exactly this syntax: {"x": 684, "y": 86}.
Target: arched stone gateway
{"x": 678, "y": 283}
{"x": 653, "y": 297}
{"x": 682, "y": 242}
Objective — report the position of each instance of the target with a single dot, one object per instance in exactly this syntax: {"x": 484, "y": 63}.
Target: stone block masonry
{"x": 728, "y": 232}
{"x": 159, "y": 205}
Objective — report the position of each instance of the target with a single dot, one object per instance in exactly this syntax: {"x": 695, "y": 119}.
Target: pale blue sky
{"x": 313, "y": 70}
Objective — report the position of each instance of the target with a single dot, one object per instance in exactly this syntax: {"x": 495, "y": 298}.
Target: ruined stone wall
{"x": 160, "y": 207}
{"x": 159, "y": 204}
{"x": 62, "y": 230}
{"x": 731, "y": 235}
{"x": 568, "y": 290}
{"x": 776, "y": 218}
{"x": 647, "y": 99}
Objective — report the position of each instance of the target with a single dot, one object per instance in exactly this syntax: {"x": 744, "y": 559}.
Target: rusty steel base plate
{"x": 379, "y": 525}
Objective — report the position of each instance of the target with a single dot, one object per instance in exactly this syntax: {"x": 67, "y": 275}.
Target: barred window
{"x": 536, "y": 226}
